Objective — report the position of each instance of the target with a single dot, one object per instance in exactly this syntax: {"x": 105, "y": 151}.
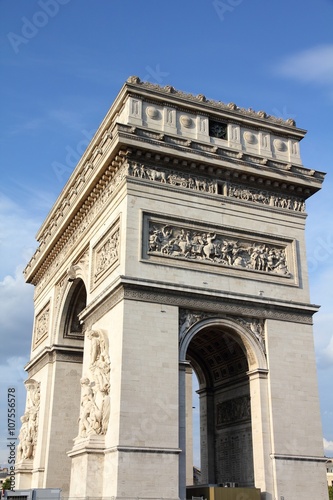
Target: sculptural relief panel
{"x": 209, "y": 185}
{"x": 207, "y": 245}
{"x": 29, "y": 422}
{"x": 233, "y": 411}
{"x": 42, "y": 325}
{"x": 95, "y": 387}
{"x": 106, "y": 254}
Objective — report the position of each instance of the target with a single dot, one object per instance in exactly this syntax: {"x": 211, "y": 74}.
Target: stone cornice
{"x": 195, "y": 298}
{"x": 227, "y": 164}
{"x": 52, "y": 354}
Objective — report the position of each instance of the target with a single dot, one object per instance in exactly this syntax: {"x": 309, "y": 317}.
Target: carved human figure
{"x": 95, "y": 387}
{"x": 87, "y": 419}
{"x": 22, "y": 448}
{"x": 209, "y": 247}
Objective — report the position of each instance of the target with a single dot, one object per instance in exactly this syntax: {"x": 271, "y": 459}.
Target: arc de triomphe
{"x": 176, "y": 245}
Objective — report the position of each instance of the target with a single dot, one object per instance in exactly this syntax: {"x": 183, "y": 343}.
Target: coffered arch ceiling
{"x": 217, "y": 358}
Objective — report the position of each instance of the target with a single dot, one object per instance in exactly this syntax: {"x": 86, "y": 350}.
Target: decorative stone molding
{"x": 29, "y": 422}
{"x": 204, "y": 245}
{"x": 81, "y": 229}
{"x": 50, "y": 356}
{"x": 95, "y": 384}
{"x": 42, "y": 325}
{"x": 106, "y": 254}
{"x": 194, "y": 301}
{"x": 80, "y": 267}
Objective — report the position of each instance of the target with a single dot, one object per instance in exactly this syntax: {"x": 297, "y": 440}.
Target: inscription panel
{"x": 234, "y": 456}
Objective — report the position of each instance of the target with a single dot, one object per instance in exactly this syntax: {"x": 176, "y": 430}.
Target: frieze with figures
{"x": 180, "y": 242}
{"x": 208, "y": 185}
{"x": 233, "y": 411}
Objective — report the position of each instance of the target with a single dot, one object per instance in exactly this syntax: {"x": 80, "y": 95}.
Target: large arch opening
{"x": 222, "y": 353}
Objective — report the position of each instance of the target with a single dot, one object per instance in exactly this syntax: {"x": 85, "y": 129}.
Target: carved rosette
{"x": 42, "y": 325}
{"x": 172, "y": 241}
{"x": 95, "y": 387}
{"x": 29, "y": 422}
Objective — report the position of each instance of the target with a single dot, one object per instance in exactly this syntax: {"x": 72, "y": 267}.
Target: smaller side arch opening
{"x": 75, "y": 303}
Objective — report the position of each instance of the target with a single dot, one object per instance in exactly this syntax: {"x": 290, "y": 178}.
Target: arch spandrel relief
{"x": 248, "y": 332}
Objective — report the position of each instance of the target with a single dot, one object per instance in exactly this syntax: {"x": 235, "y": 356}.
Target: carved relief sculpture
{"x": 95, "y": 392}
{"x": 29, "y": 428}
{"x": 42, "y": 324}
{"x": 207, "y": 185}
{"x": 233, "y": 410}
{"x": 106, "y": 253}
{"x": 181, "y": 243}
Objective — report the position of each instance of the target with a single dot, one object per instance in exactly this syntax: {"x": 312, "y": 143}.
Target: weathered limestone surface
{"x": 176, "y": 245}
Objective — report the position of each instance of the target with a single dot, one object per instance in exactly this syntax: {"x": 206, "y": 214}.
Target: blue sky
{"x": 64, "y": 61}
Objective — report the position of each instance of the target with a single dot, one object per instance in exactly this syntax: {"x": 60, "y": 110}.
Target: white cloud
{"x": 17, "y": 235}
{"x": 328, "y": 447}
{"x": 314, "y": 65}
{"x": 16, "y": 298}
{"x": 12, "y": 376}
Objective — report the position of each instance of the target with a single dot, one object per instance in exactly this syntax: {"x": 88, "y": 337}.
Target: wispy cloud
{"x": 314, "y": 65}
{"x": 67, "y": 118}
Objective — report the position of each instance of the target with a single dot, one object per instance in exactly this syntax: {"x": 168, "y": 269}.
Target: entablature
{"x": 238, "y": 166}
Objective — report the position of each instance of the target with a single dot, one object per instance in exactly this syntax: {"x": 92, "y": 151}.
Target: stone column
{"x": 207, "y": 436}
{"x": 261, "y": 432}
{"x": 189, "y": 426}
{"x": 183, "y": 367}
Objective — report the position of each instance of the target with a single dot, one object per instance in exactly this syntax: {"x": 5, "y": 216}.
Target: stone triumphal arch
{"x": 177, "y": 245}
